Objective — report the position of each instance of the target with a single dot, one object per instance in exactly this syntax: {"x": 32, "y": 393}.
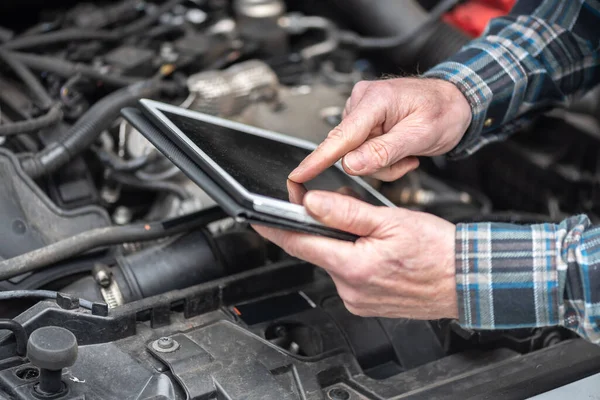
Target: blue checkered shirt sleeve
{"x": 539, "y": 56}
{"x": 510, "y": 276}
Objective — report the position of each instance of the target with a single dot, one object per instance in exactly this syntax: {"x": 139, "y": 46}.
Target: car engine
{"x": 121, "y": 279}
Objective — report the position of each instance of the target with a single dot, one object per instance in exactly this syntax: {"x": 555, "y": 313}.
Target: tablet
{"x": 251, "y": 166}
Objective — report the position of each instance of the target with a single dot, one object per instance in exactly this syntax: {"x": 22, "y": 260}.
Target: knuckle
{"x": 382, "y": 91}
{"x": 380, "y": 153}
{"x": 360, "y": 87}
{"x": 337, "y": 134}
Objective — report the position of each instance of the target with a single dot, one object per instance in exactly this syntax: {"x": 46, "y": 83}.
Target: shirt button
{"x": 488, "y": 122}
{"x": 571, "y": 320}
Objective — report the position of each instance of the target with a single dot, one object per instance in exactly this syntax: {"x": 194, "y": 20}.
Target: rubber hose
{"x": 383, "y": 43}
{"x": 393, "y": 18}
{"x": 67, "y": 69}
{"x": 443, "y": 42}
{"x": 29, "y": 79}
{"x": 62, "y": 36}
{"x": 184, "y": 261}
{"x": 298, "y": 23}
{"x": 52, "y": 117}
{"x": 85, "y": 131}
{"x": 102, "y": 237}
{"x": 19, "y": 332}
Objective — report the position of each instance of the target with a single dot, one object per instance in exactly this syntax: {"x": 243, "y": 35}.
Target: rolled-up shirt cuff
{"x": 506, "y": 275}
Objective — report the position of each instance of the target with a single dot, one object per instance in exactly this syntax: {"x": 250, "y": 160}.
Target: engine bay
{"x": 165, "y": 296}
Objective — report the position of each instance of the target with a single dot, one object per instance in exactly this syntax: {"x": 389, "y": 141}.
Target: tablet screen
{"x": 261, "y": 165}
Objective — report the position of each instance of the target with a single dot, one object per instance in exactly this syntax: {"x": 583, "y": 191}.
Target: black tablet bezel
{"x": 160, "y": 140}
{"x": 155, "y": 110}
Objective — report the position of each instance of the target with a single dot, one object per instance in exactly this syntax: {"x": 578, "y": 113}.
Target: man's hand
{"x": 386, "y": 124}
{"x": 402, "y": 266}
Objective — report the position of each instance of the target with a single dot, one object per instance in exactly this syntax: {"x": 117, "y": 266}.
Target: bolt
{"x": 165, "y": 343}
{"x": 122, "y": 215}
{"x": 103, "y": 278}
{"x": 338, "y": 394}
{"x": 102, "y": 275}
{"x": 281, "y": 331}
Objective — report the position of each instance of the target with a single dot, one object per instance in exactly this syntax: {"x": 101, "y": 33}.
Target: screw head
{"x": 165, "y": 345}
{"x": 102, "y": 275}
{"x": 103, "y": 278}
{"x": 165, "y": 342}
{"x": 122, "y": 215}
{"x": 338, "y": 394}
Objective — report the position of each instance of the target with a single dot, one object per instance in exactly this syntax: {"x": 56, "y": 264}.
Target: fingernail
{"x": 355, "y": 161}
{"x": 318, "y": 203}
{"x": 294, "y": 173}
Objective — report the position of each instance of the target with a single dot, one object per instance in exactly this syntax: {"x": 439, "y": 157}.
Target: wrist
{"x": 449, "y": 274}
{"x": 444, "y": 264}
{"x": 475, "y": 94}
{"x": 461, "y": 108}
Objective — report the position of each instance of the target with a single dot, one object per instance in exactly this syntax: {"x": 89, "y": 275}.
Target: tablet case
{"x": 149, "y": 130}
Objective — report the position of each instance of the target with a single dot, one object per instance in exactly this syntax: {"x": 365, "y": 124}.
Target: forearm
{"x": 535, "y": 58}
{"x": 512, "y": 276}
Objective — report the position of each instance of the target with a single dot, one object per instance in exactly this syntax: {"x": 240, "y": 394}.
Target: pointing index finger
{"x": 347, "y": 136}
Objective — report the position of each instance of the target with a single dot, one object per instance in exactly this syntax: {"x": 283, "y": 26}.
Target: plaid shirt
{"x": 511, "y": 276}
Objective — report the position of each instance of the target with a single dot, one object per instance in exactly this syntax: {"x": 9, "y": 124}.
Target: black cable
{"x": 298, "y": 24}
{"x": 375, "y": 43}
{"x": 145, "y": 22}
{"x": 155, "y": 186}
{"x": 52, "y": 117}
{"x": 67, "y": 69}
{"x": 40, "y": 295}
{"x": 87, "y": 129}
{"x": 57, "y": 37}
{"x": 29, "y": 79}
{"x": 102, "y": 237}
{"x": 70, "y": 35}
{"x": 19, "y": 332}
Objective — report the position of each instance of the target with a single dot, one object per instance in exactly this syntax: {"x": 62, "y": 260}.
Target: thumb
{"x": 344, "y": 213}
